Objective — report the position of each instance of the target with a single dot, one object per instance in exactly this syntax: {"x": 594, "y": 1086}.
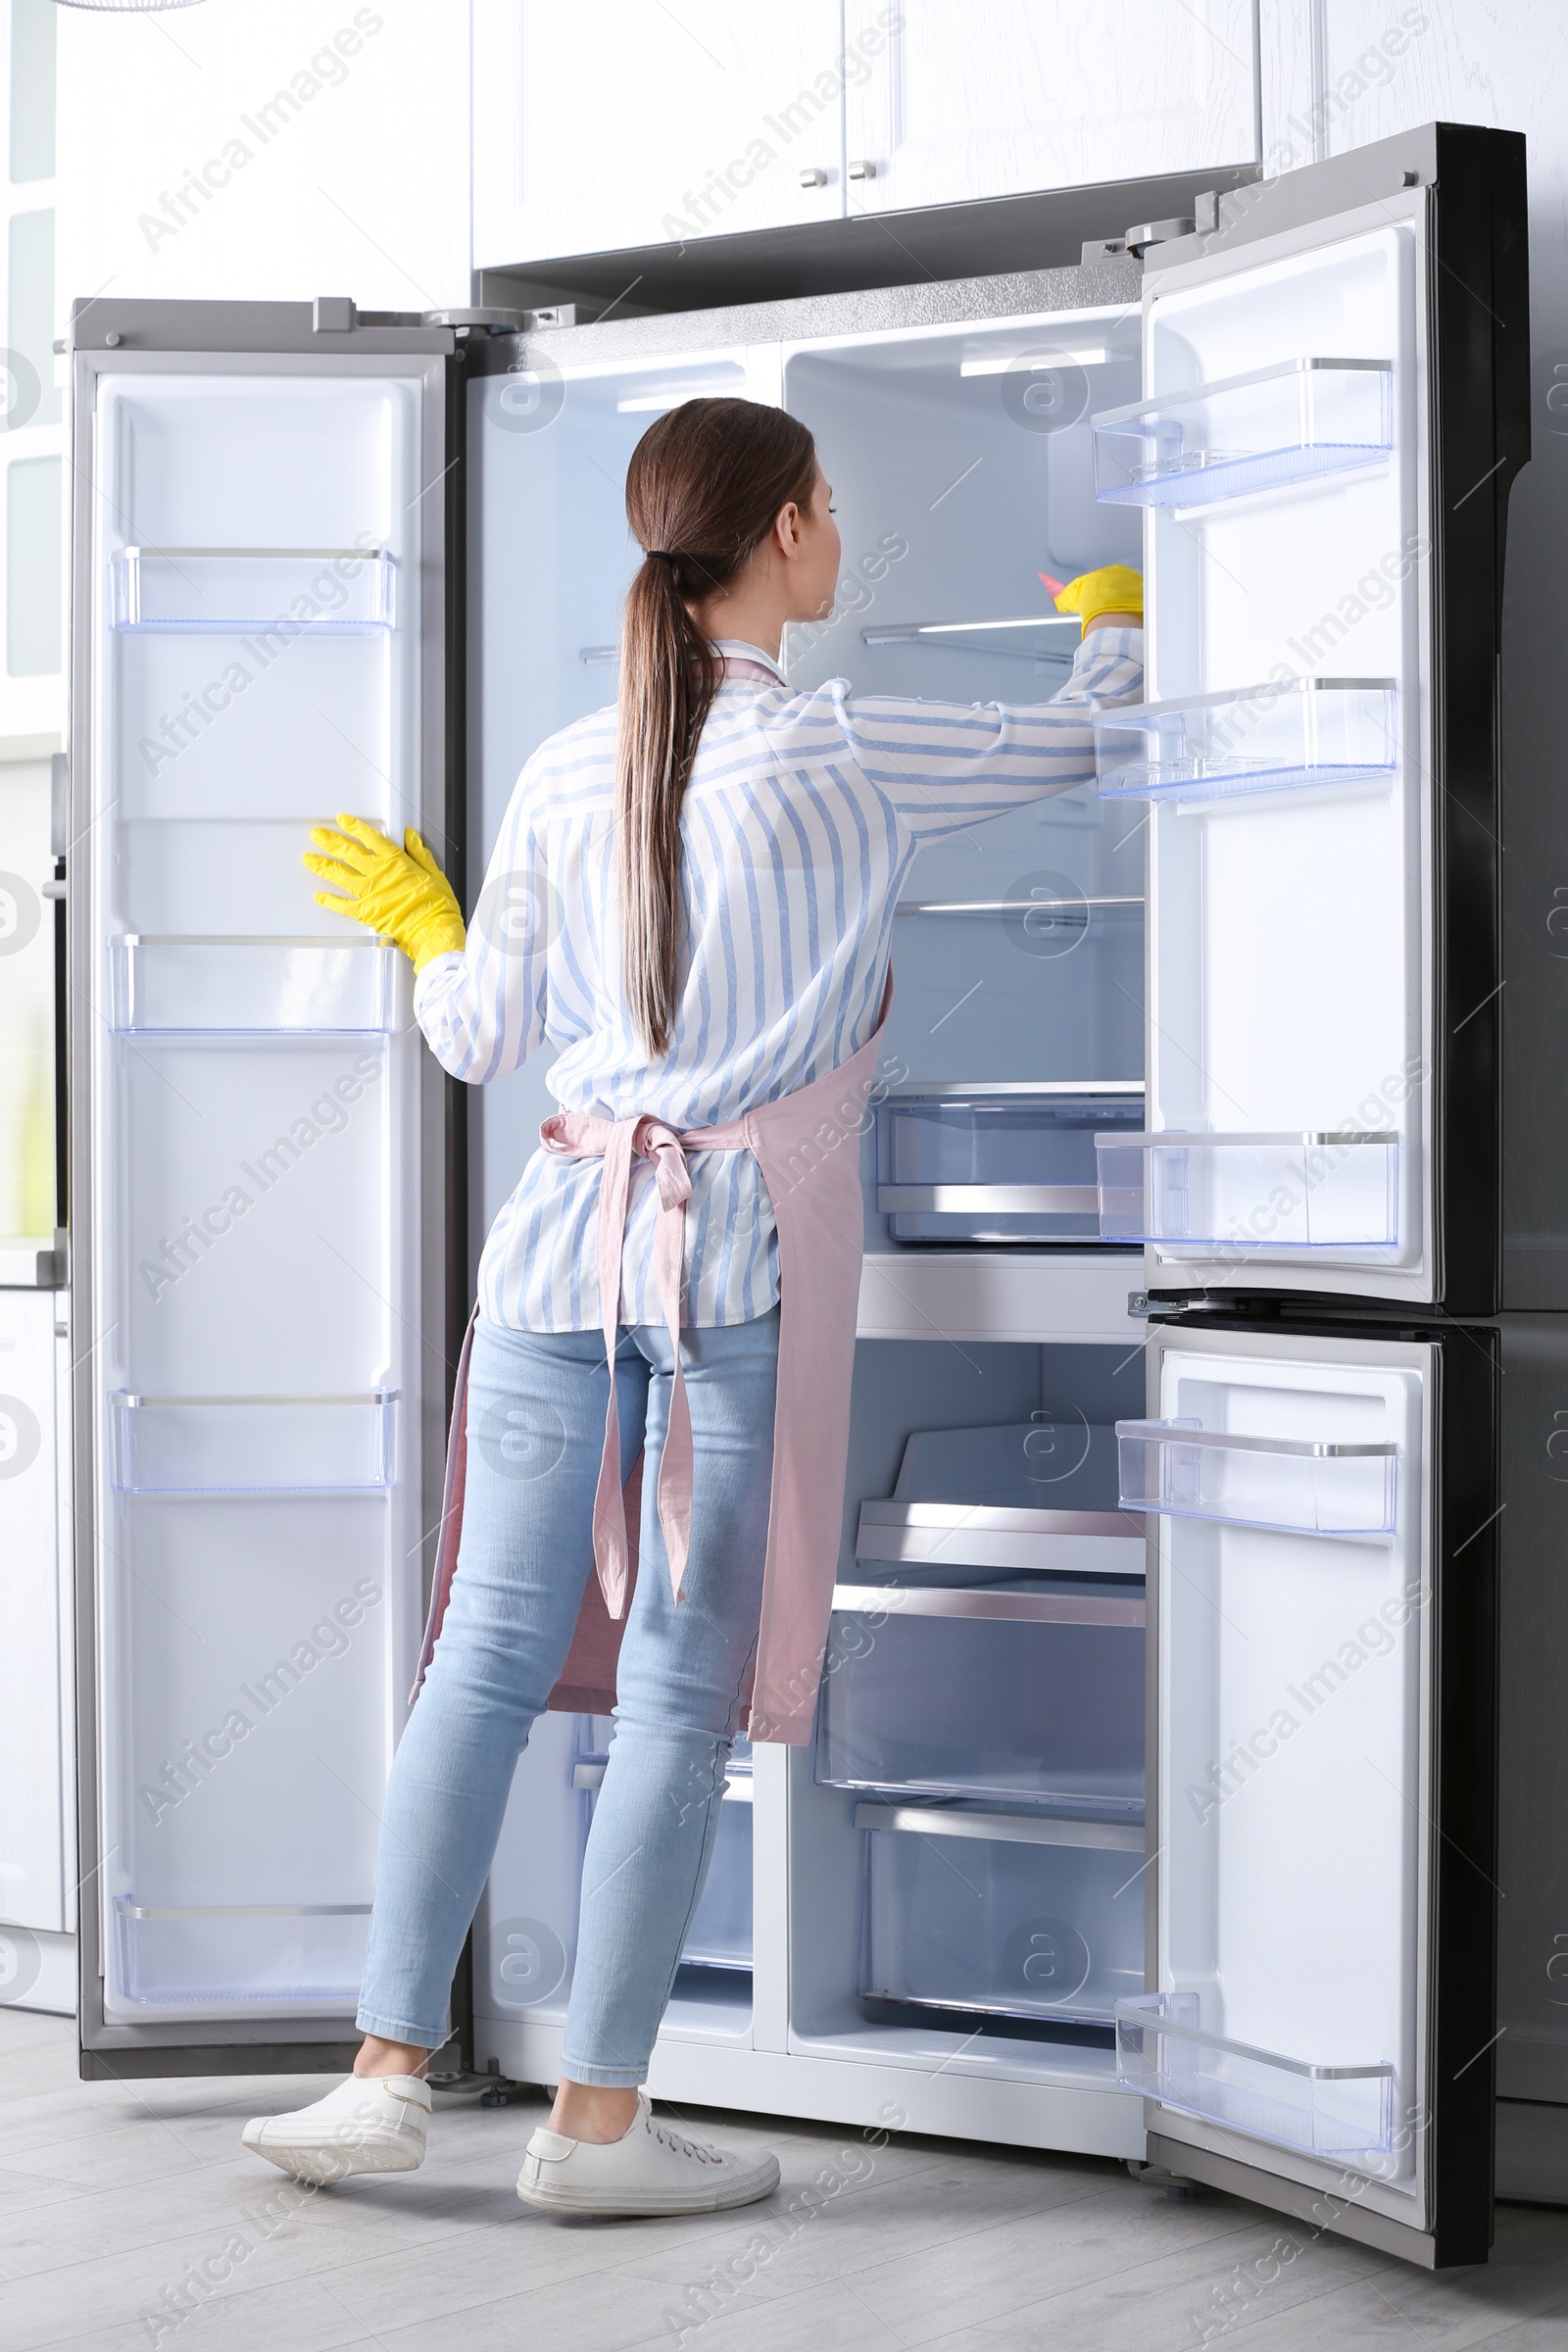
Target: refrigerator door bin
{"x": 272, "y": 1955}
{"x": 269, "y": 986}
{"x": 1000, "y": 1916}
{"x": 1333, "y": 1189}
{"x": 253, "y": 1445}
{"x": 1283, "y": 736}
{"x": 274, "y": 592}
{"x": 1014, "y": 1166}
{"x": 1020, "y": 1692}
{"x": 721, "y": 1933}
{"x": 1163, "y": 2052}
{"x": 1184, "y": 1471}
{"x": 1259, "y": 431}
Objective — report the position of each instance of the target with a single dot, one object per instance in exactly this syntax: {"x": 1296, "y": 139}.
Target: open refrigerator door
{"x": 260, "y": 635}
{"x": 1332, "y": 415}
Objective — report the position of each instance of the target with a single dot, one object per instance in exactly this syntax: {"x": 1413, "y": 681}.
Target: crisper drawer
{"x": 1014, "y": 1917}
{"x": 721, "y": 1933}
{"x": 1028, "y": 1690}
{"x": 1012, "y": 1165}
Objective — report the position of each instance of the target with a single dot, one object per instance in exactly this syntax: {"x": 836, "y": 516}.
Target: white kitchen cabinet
{"x": 621, "y": 123}
{"x": 37, "y": 1836}
{"x": 1000, "y": 96}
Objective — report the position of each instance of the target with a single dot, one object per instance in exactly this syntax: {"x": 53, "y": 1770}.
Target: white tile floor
{"x": 113, "y": 2196}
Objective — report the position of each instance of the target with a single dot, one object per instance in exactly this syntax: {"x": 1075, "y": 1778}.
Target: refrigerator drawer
{"x": 310, "y": 1953}
{"x": 1030, "y": 1692}
{"x": 1006, "y": 1167}
{"x": 1002, "y": 1916}
{"x": 1325, "y": 1191}
{"x": 269, "y": 986}
{"x": 1283, "y": 736}
{"x": 1326, "y": 2110}
{"x": 721, "y": 1933}
{"x": 277, "y": 592}
{"x": 253, "y": 1445}
{"x": 1259, "y": 432}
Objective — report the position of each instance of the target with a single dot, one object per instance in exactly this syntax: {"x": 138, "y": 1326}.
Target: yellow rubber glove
{"x": 1113, "y": 588}
{"x": 402, "y": 895}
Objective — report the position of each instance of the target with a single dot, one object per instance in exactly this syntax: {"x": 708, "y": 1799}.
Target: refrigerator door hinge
{"x": 1138, "y": 1303}
{"x": 333, "y": 314}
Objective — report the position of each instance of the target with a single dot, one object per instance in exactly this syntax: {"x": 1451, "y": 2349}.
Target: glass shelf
{"x": 229, "y": 591}
{"x": 1183, "y": 1471}
{"x": 1019, "y": 1923}
{"x": 1164, "y": 2053}
{"x": 1288, "y": 1190}
{"x": 1290, "y": 422}
{"x": 280, "y": 986}
{"x": 995, "y": 1168}
{"x": 1285, "y": 736}
{"x": 1030, "y": 637}
{"x": 253, "y": 1445}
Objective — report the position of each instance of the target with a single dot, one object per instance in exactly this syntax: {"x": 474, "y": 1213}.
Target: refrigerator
{"x": 1152, "y": 1806}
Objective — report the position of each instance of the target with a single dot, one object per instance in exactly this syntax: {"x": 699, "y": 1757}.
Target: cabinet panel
{"x": 1007, "y": 95}
{"x": 617, "y": 122}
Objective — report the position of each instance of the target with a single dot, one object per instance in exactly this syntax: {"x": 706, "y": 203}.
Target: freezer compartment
{"x": 253, "y": 1445}
{"x": 309, "y": 1954}
{"x": 273, "y": 591}
{"x": 1011, "y": 1166}
{"x": 721, "y": 1933}
{"x": 1000, "y": 1915}
{"x": 1287, "y": 735}
{"x": 1333, "y": 1189}
{"x": 1164, "y": 2053}
{"x": 264, "y": 985}
{"x": 1287, "y": 423}
{"x": 1025, "y": 1692}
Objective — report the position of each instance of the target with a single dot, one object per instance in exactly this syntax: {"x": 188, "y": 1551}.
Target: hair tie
{"x": 659, "y": 555}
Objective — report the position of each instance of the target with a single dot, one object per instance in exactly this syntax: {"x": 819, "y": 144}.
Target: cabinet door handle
{"x": 863, "y": 169}
{"x": 813, "y": 177}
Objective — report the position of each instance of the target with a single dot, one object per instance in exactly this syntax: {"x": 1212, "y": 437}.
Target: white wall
{"x": 267, "y": 149}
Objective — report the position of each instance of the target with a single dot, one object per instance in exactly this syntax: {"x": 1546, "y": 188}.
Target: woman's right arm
{"x": 483, "y": 1010}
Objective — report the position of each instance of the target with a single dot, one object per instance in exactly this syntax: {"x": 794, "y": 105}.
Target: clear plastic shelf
{"x": 227, "y": 591}
{"x": 1029, "y": 1692}
{"x": 1164, "y": 2053}
{"x": 239, "y": 1955}
{"x": 1285, "y": 736}
{"x": 982, "y": 1167}
{"x": 1324, "y": 1190}
{"x": 1183, "y": 1471}
{"x": 253, "y": 1445}
{"x": 280, "y": 986}
{"x": 1286, "y": 424}
{"x": 1025, "y": 1921}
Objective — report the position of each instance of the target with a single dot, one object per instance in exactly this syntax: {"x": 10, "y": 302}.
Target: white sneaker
{"x": 370, "y": 2124}
{"x": 650, "y": 2169}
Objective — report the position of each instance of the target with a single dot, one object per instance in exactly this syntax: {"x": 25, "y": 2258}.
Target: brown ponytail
{"x": 703, "y": 489}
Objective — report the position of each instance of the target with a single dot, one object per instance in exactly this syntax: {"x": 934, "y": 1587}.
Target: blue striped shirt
{"x": 800, "y": 822}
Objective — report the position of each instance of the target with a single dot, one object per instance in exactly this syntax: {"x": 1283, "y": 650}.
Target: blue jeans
{"x": 535, "y": 1423}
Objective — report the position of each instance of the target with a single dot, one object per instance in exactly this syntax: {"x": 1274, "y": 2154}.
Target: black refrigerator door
{"x": 260, "y": 1159}
{"x": 1334, "y": 409}
{"x": 1317, "y": 2031}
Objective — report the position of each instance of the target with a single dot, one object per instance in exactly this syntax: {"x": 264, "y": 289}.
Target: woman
{"x": 694, "y": 895}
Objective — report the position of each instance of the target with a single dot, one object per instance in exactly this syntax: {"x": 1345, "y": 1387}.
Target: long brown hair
{"x": 705, "y": 484}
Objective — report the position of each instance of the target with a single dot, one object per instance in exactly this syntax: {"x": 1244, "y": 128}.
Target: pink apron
{"x": 808, "y": 1147}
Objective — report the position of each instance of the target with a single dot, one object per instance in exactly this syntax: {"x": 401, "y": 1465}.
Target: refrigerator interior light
{"x": 653, "y": 398}
{"x": 1093, "y": 354}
